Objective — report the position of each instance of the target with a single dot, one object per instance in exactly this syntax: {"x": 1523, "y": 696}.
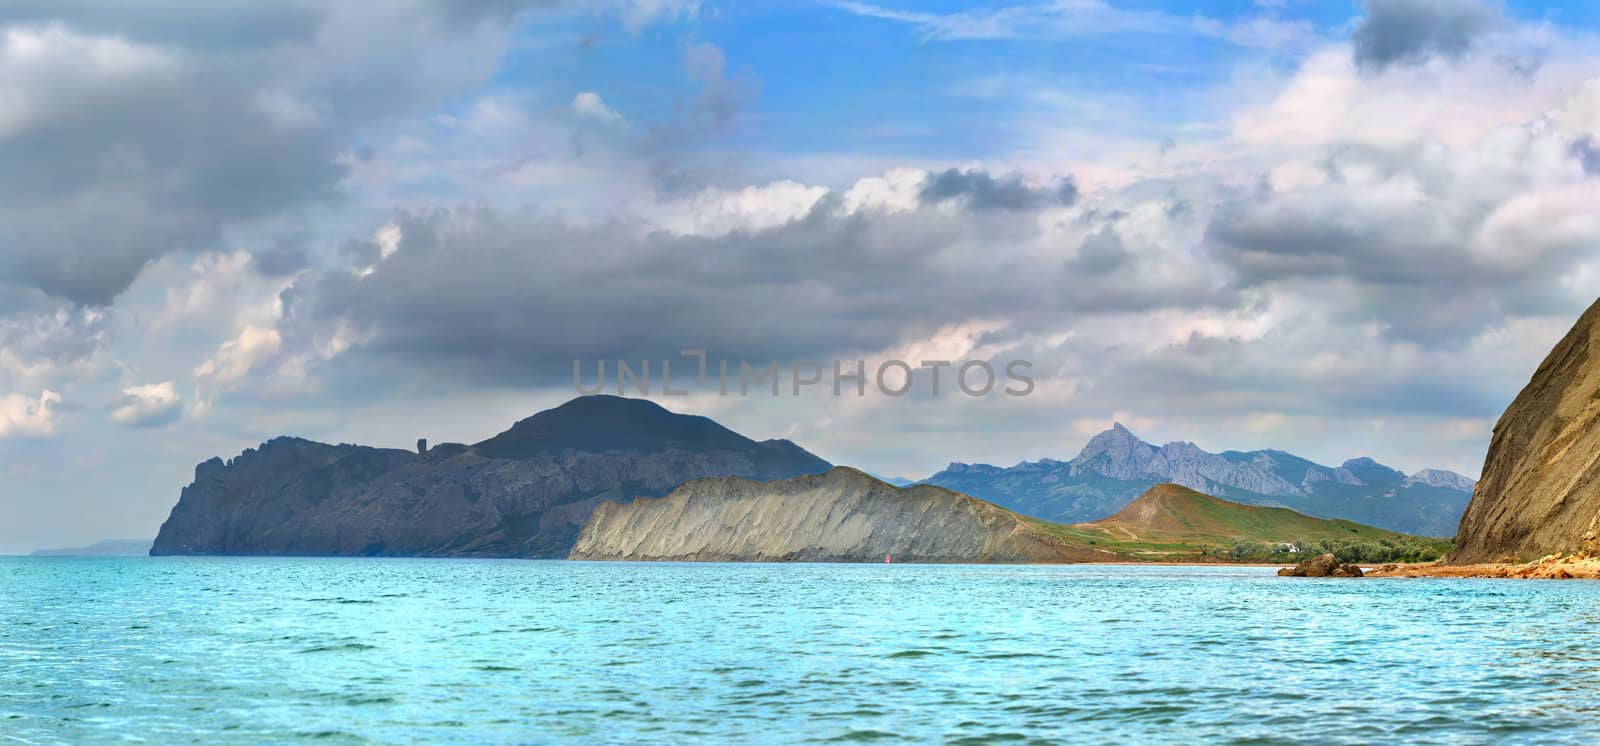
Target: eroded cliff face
{"x": 524, "y": 493}
{"x": 841, "y": 516}
{"x": 1540, "y": 490}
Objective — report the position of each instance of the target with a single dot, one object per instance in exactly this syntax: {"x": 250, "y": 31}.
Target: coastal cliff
{"x": 841, "y": 516}
{"x": 1540, "y": 490}
{"x": 523, "y": 493}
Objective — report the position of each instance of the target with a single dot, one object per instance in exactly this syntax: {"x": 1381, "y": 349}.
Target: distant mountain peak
{"x": 1113, "y": 439}
{"x": 1115, "y": 452}
{"x": 1441, "y": 478}
{"x": 601, "y": 423}
{"x": 1366, "y": 470}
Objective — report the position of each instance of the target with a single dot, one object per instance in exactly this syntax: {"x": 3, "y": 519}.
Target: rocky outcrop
{"x": 1116, "y": 466}
{"x": 523, "y": 493}
{"x": 1321, "y": 566}
{"x": 841, "y": 516}
{"x": 1540, "y": 490}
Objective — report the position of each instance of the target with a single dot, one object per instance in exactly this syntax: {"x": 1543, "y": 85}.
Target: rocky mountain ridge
{"x": 523, "y": 493}
{"x": 1115, "y": 466}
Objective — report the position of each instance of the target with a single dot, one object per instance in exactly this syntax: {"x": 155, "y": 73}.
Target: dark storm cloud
{"x": 220, "y": 24}
{"x": 1209, "y": 376}
{"x": 1402, "y": 31}
{"x": 140, "y": 129}
{"x": 518, "y": 296}
{"x": 1289, "y": 239}
{"x": 231, "y": 24}
{"x": 284, "y": 256}
{"x": 1101, "y": 252}
{"x": 983, "y": 191}
{"x": 39, "y": 329}
{"x": 1407, "y": 259}
{"x": 121, "y": 174}
{"x": 478, "y": 11}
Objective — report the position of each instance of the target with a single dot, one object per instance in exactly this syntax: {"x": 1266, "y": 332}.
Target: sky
{"x": 1337, "y": 229}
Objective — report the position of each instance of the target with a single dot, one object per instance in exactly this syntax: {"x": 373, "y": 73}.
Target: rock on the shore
{"x": 1540, "y": 491}
{"x": 1321, "y": 566}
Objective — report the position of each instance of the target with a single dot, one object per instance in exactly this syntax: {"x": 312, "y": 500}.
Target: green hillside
{"x": 1170, "y": 522}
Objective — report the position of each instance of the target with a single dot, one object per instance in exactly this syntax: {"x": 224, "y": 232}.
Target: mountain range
{"x": 104, "y": 548}
{"x": 522, "y": 493}
{"x": 528, "y": 491}
{"x": 1116, "y": 466}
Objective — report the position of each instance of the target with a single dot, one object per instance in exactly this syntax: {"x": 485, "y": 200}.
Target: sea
{"x": 333, "y": 651}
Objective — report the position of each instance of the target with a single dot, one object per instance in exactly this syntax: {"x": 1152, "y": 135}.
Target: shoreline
{"x": 1572, "y": 567}
{"x": 1549, "y": 568}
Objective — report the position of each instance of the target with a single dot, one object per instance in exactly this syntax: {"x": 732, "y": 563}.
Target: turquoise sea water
{"x": 279, "y": 650}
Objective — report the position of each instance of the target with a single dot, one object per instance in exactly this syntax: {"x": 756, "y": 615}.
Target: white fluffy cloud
{"x": 589, "y": 104}
{"x": 237, "y": 357}
{"x": 149, "y": 405}
{"x": 29, "y": 416}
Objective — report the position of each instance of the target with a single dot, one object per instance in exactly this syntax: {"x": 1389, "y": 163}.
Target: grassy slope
{"x": 1173, "y": 522}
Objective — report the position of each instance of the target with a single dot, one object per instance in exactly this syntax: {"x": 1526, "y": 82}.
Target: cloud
{"x": 100, "y": 173}
{"x": 637, "y": 14}
{"x": 237, "y": 357}
{"x": 28, "y": 417}
{"x": 1407, "y": 31}
{"x": 720, "y": 97}
{"x": 589, "y": 104}
{"x": 149, "y": 405}
{"x": 711, "y": 105}
{"x": 1086, "y": 18}
{"x": 1433, "y": 246}
{"x": 983, "y": 191}
{"x": 1101, "y": 252}
{"x": 1581, "y": 115}
{"x": 1587, "y": 151}
{"x": 1061, "y": 19}
{"x": 508, "y": 295}
{"x": 45, "y": 343}
{"x": 714, "y": 211}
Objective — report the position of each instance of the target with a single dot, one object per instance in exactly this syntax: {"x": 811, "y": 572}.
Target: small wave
{"x": 988, "y": 738}
{"x": 347, "y": 647}
{"x": 865, "y": 736}
{"x": 912, "y": 653}
{"x": 324, "y": 734}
